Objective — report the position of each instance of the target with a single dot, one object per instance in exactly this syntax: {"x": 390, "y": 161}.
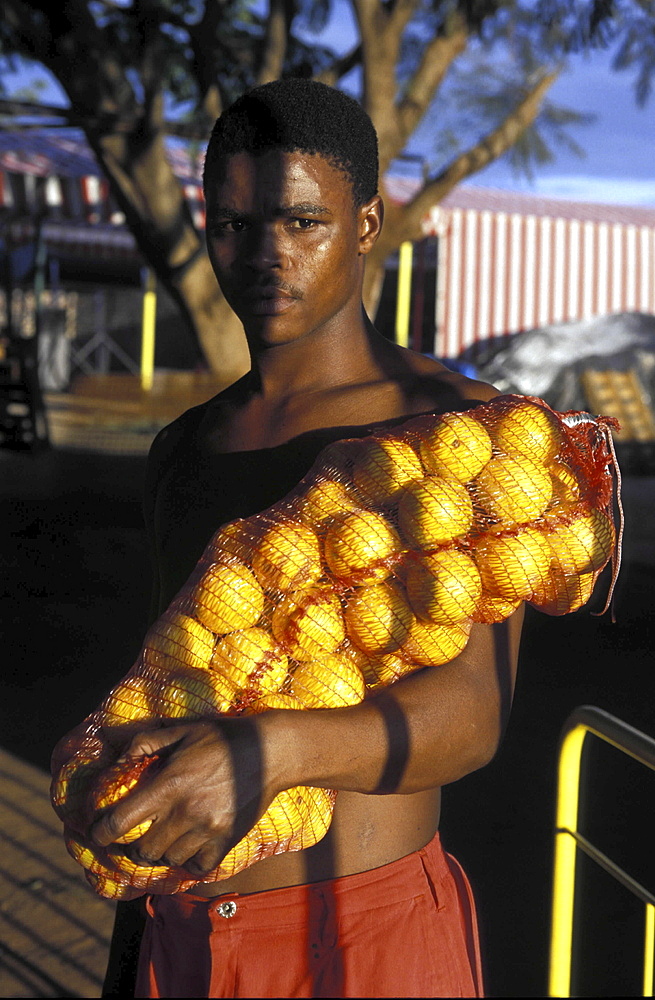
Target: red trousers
{"x": 407, "y": 929}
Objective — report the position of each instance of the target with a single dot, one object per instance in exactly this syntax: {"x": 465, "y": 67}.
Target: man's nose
{"x": 266, "y": 249}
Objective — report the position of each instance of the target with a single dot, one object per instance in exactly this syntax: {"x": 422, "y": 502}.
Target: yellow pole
{"x": 564, "y": 866}
{"x": 649, "y": 951}
{"x": 403, "y": 297}
{"x": 148, "y": 331}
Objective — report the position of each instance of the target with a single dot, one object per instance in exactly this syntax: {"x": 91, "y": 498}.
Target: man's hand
{"x": 208, "y": 793}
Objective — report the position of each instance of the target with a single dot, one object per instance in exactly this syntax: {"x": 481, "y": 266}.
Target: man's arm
{"x": 426, "y": 730}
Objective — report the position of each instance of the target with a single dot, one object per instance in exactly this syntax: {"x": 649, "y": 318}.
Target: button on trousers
{"x": 407, "y": 929}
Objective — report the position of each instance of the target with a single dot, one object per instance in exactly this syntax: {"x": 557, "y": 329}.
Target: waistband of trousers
{"x": 394, "y": 882}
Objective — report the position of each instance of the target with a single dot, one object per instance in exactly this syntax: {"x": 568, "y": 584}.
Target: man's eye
{"x": 229, "y": 226}
{"x": 303, "y": 223}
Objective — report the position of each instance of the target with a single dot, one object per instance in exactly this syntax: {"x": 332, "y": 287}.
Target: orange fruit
{"x": 70, "y": 789}
{"x": 383, "y": 467}
{"x": 378, "y": 618}
{"x": 242, "y": 855}
{"x": 299, "y": 815}
{"x": 444, "y": 587}
{"x": 529, "y": 431}
{"x": 360, "y": 545}
{"x": 513, "y": 490}
{"x": 564, "y": 593}
{"x": 309, "y": 623}
{"x": 196, "y": 694}
{"x": 457, "y": 448}
{"x": 566, "y": 488}
{"x": 430, "y": 645}
{"x": 492, "y": 609}
{"x": 132, "y": 700}
{"x": 315, "y": 805}
{"x": 276, "y": 700}
{"x": 108, "y": 888}
{"x": 251, "y": 659}
{"x": 288, "y": 556}
{"x": 137, "y": 874}
{"x": 86, "y": 857}
{"x": 236, "y": 539}
{"x": 227, "y": 597}
{"x": 512, "y": 566}
{"x": 177, "y": 641}
{"x": 323, "y": 501}
{"x": 584, "y": 544}
{"x": 332, "y": 681}
{"x": 433, "y": 512}
{"x": 383, "y": 670}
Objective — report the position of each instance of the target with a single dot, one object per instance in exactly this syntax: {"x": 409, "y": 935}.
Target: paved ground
{"x": 54, "y": 930}
{"x": 76, "y": 579}
{"x": 113, "y": 414}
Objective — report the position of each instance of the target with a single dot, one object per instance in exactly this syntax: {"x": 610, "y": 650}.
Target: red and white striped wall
{"x": 512, "y": 262}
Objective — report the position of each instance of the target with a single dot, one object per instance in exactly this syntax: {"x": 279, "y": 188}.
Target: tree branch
{"x": 202, "y": 37}
{"x": 437, "y": 58}
{"x": 380, "y": 30}
{"x": 151, "y": 65}
{"x": 401, "y": 14}
{"x": 340, "y": 67}
{"x": 484, "y": 152}
{"x": 379, "y": 51}
{"x": 275, "y": 42}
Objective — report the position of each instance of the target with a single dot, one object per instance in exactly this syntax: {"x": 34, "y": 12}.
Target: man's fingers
{"x": 195, "y": 853}
{"x": 127, "y": 814}
{"x": 151, "y": 742}
{"x": 205, "y": 861}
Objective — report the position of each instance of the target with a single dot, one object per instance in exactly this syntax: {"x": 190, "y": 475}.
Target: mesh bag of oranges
{"x": 377, "y": 564}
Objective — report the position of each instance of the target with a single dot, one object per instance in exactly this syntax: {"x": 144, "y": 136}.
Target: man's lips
{"x": 270, "y": 292}
{"x": 268, "y": 300}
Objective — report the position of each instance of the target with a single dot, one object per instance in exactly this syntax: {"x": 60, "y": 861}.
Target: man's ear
{"x": 371, "y": 217}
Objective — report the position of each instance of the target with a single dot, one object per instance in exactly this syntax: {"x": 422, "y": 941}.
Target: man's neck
{"x": 320, "y": 362}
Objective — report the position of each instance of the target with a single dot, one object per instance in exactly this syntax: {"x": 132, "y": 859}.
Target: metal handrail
{"x": 583, "y": 721}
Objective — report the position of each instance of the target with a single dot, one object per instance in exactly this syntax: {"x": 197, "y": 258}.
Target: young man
{"x": 375, "y": 908}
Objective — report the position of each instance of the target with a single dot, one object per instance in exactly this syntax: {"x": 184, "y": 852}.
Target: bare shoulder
{"x": 431, "y": 385}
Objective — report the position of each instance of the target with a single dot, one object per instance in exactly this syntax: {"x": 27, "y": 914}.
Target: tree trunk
{"x": 158, "y": 215}
{"x": 219, "y": 331}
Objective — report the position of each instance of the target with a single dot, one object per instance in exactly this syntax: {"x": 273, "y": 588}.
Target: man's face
{"x": 287, "y": 243}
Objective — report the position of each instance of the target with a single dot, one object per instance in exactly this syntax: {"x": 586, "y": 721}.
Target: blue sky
{"x": 619, "y": 165}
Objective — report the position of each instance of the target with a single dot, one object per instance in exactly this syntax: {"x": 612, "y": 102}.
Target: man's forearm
{"x": 428, "y": 729}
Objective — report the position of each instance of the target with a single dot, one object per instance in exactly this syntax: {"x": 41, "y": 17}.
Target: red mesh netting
{"x": 377, "y": 564}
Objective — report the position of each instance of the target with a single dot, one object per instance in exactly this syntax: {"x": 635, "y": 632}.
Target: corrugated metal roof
{"x": 481, "y": 199}
{"x": 496, "y": 200}
{"x": 66, "y": 152}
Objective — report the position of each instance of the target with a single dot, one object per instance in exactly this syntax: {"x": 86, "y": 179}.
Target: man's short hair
{"x": 299, "y": 115}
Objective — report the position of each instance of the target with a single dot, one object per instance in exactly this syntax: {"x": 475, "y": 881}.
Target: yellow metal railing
{"x": 404, "y": 293}
{"x": 148, "y": 324}
{"x": 582, "y": 722}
